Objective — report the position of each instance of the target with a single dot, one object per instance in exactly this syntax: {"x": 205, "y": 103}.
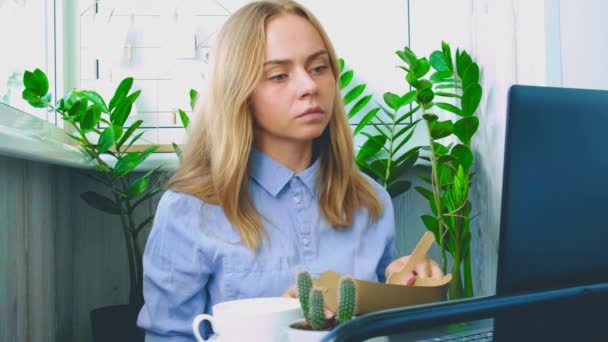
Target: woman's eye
{"x": 279, "y": 77}
{"x": 319, "y": 69}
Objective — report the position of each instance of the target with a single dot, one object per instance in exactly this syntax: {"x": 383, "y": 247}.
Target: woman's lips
{"x": 312, "y": 116}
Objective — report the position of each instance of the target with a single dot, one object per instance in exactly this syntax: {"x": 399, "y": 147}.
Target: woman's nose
{"x": 307, "y": 85}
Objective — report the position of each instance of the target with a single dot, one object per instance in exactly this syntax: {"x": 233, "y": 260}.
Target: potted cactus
{"x": 313, "y": 307}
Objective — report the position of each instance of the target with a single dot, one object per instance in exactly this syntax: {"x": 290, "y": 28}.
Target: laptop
{"x": 554, "y": 219}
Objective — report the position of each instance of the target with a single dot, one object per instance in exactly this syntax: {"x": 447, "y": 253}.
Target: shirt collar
{"x": 273, "y": 176}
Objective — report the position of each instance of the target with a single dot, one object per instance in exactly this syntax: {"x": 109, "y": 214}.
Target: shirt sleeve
{"x": 386, "y": 225}
{"x": 176, "y": 270}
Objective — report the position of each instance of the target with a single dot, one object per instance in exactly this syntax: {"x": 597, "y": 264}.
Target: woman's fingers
{"x": 291, "y": 292}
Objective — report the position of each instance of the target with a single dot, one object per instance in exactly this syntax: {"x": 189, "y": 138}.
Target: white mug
{"x": 253, "y": 319}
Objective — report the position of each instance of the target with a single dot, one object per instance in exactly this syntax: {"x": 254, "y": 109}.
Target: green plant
{"x": 185, "y": 119}
{"x": 313, "y": 304}
{"x": 454, "y": 78}
{"x": 85, "y": 111}
{"x": 382, "y": 154}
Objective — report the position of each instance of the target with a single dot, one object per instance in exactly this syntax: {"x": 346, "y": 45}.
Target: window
{"x": 28, "y": 38}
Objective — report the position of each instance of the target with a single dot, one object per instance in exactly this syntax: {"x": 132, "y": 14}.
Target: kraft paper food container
{"x": 372, "y": 296}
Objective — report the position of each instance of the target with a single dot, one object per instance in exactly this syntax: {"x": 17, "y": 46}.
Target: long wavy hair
{"x": 221, "y": 135}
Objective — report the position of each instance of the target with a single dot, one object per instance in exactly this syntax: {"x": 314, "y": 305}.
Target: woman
{"x": 267, "y": 184}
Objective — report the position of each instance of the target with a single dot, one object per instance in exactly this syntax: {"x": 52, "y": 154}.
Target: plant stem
{"x": 390, "y": 152}
{"x": 437, "y": 197}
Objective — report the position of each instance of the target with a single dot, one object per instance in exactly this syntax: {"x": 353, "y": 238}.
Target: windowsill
{"x": 25, "y": 136}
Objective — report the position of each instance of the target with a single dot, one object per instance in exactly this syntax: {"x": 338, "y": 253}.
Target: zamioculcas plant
{"x": 387, "y": 128}
{"x": 185, "y": 119}
{"x": 313, "y": 304}
{"x": 86, "y": 111}
{"x": 455, "y": 78}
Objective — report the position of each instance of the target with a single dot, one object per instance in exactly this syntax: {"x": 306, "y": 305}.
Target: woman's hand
{"x": 293, "y": 293}
{"x": 426, "y": 268}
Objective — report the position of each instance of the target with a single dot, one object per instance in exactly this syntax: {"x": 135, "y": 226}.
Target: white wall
{"x": 584, "y": 43}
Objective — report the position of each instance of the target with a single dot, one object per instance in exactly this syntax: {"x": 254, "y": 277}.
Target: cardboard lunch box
{"x": 373, "y": 296}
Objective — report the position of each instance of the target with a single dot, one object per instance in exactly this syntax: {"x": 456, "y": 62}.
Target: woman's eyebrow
{"x": 288, "y": 61}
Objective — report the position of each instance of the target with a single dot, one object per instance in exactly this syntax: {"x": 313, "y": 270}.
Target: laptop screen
{"x": 554, "y": 218}
{"x": 554, "y": 226}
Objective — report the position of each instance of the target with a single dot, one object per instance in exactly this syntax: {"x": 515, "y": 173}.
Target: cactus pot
{"x": 300, "y": 331}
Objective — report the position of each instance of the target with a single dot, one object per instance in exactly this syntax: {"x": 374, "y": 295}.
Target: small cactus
{"x": 346, "y": 306}
{"x": 304, "y": 282}
{"x": 317, "y": 309}
{"x": 313, "y": 304}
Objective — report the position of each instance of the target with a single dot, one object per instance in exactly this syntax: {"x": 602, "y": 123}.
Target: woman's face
{"x": 293, "y": 101}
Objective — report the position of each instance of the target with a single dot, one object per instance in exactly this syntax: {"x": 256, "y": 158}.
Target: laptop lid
{"x": 554, "y": 218}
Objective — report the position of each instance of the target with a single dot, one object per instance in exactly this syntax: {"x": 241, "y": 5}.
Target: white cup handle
{"x": 197, "y": 321}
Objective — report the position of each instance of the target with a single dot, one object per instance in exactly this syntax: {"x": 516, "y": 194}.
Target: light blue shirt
{"x": 194, "y": 258}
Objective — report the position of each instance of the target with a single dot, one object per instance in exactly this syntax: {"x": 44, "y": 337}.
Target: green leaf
{"x": 368, "y": 169}
{"x": 439, "y": 149}
{"x": 90, "y": 118}
{"x": 354, "y": 93}
{"x": 462, "y": 63}
{"x": 471, "y": 97}
{"x": 145, "y": 154}
{"x": 36, "y": 82}
{"x": 121, "y": 92}
{"x": 408, "y": 98}
{"x": 426, "y": 193}
{"x": 95, "y": 98}
{"x": 126, "y": 164}
{"x": 423, "y": 66}
{"x": 431, "y": 224}
{"x": 345, "y": 79}
{"x": 440, "y": 129}
{"x": 465, "y": 128}
{"x": 392, "y": 100}
{"x": 404, "y": 141}
{"x": 449, "y": 107}
{"x": 425, "y": 96}
{"x": 118, "y": 130}
{"x": 78, "y": 110}
{"x": 100, "y": 202}
{"x": 471, "y": 75}
{"x": 464, "y": 156}
{"x": 405, "y": 129}
{"x": 405, "y": 116}
{"x": 133, "y": 140}
{"x": 444, "y": 94}
{"x": 368, "y": 117}
{"x": 438, "y": 62}
{"x": 399, "y": 169}
{"x": 128, "y": 133}
{"x": 341, "y": 64}
{"x": 184, "y": 118}
{"x": 398, "y": 187}
{"x": 193, "y": 98}
{"x": 430, "y": 117}
{"x": 106, "y": 140}
{"x": 178, "y": 151}
{"x": 441, "y": 75}
{"x": 33, "y": 99}
{"x": 425, "y": 178}
{"x": 359, "y": 105}
{"x": 371, "y": 147}
{"x": 138, "y": 186}
{"x": 448, "y": 86}
{"x": 447, "y": 53}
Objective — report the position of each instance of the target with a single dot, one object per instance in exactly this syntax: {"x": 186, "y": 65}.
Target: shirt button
{"x": 297, "y": 199}
{"x": 305, "y": 241}
{"x": 293, "y": 181}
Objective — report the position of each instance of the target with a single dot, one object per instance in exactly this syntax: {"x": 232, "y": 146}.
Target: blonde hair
{"x": 215, "y": 159}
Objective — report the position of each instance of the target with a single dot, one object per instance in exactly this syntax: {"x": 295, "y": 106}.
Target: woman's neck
{"x": 295, "y": 156}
